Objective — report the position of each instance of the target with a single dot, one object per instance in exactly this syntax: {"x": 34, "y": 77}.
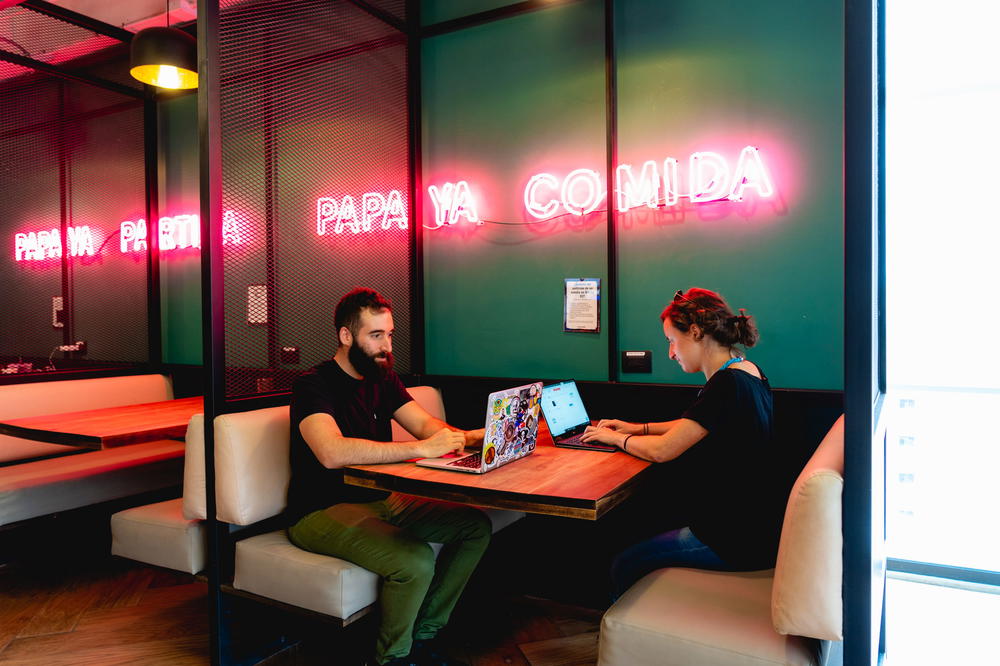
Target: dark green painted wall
{"x": 180, "y": 273}
{"x": 523, "y": 95}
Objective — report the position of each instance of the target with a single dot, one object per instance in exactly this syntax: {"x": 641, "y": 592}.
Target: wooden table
{"x": 552, "y": 481}
{"x": 109, "y": 427}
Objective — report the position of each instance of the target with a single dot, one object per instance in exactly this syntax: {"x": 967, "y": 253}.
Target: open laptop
{"x": 511, "y": 430}
{"x": 567, "y": 417}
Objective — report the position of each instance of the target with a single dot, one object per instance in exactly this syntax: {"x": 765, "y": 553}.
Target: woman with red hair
{"x": 724, "y": 439}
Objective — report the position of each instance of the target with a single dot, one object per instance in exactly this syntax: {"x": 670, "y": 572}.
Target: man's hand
{"x": 474, "y": 438}
{"x": 442, "y": 442}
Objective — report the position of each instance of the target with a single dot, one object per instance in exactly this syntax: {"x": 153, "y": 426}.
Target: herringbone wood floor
{"x": 109, "y": 611}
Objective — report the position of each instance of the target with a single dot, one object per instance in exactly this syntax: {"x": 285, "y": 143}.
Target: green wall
{"x": 523, "y": 95}
{"x": 519, "y": 96}
{"x": 180, "y": 272}
{"x": 492, "y": 112}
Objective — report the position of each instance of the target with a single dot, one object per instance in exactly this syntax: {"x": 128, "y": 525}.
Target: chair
{"x": 790, "y": 615}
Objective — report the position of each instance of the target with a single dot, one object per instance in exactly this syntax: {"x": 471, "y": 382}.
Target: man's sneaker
{"x": 425, "y": 654}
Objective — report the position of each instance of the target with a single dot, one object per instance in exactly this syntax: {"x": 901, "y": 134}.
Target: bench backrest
{"x": 806, "y": 598}
{"x": 73, "y": 395}
{"x": 251, "y": 458}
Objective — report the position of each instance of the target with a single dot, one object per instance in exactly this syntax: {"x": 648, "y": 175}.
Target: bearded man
{"x": 340, "y": 415}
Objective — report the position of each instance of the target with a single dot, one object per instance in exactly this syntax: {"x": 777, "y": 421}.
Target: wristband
{"x": 645, "y": 428}
{"x": 625, "y": 443}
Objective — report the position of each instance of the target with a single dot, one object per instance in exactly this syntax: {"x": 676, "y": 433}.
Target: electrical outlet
{"x": 289, "y": 354}
{"x": 57, "y": 312}
{"x": 637, "y": 361}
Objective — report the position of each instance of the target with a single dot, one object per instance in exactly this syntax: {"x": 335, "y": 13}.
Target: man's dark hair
{"x": 348, "y": 312}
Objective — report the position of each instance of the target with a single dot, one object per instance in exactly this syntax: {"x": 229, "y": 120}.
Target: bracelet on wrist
{"x": 625, "y": 443}
{"x": 645, "y": 428}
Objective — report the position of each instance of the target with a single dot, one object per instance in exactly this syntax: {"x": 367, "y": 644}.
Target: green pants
{"x": 390, "y": 537}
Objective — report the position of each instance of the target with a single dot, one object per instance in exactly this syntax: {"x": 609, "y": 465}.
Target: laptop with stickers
{"x": 511, "y": 431}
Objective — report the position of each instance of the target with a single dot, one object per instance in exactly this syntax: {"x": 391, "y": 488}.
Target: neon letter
{"x": 372, "y": 205}
{"x": 326, "y": 211}
{"x": 531, "y": 202}
{"x": 49, "y": 245}
{"x": 348, "y": 213}
{"x": 441, "y": 198}
{"x": 81, "y": 241}
{"x": 463, "y": 205}
{"x": 395, "y": 211}
{"x": 593, "y": 182}
{"x": 709, "y": 177}
{"x": 670, "y": 195}
{"x": 750, "y": 172}
{"x": 632, "y": 194}
{"x": 20, "y": 246}
{"x": 231, "y": 231}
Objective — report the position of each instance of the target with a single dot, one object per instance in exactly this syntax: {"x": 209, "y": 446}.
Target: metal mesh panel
{"x": 47, "y": 39}
{"x": 396, "y": 8}
{"x": 313, "y": 114}
{"x": 75, "y": 152}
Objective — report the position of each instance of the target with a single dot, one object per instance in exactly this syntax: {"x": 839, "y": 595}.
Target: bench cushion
{"x": 43, "y": 487}
{"x": 158, "y": 534}
{"x": 806, "y": 599}
{"x": 687, "y": 617}
{"x": 271, "y": 566}
{"x": 40, "y": 398}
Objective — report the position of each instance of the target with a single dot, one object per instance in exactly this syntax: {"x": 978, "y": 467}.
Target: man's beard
{"x": 366, "y": 365}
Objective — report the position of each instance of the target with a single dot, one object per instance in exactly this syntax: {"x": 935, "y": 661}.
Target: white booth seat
{"x": 252, "y": 475}
{"x": 32, "y": 489}
{"x": 251, "y": 451}
{"x": 72, "y": 395}
{"x": 688, "y": 617}
{"x": 163, "y": 534}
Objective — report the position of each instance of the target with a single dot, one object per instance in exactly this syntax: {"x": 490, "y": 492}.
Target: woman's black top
{"x": 736, "y": 495}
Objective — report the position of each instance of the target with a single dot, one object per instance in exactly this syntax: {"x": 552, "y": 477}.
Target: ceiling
{"x": 39, "y": 37}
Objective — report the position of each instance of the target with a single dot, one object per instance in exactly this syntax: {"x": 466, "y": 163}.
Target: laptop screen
{"x": 563, "y": 407}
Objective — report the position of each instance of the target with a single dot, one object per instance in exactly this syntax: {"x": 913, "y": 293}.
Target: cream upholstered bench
{"x": 172, "y": 533}
{"x": 55, "y": 397}
{"x": 43, "y": 487}
{"x": 789, "y": 615}
{"x": 252, "y": 472}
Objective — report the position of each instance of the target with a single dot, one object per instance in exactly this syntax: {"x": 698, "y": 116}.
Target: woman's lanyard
{"x": 728, "y": 363}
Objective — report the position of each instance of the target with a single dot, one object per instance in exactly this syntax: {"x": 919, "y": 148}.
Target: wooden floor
{"x": 112, "y": 612}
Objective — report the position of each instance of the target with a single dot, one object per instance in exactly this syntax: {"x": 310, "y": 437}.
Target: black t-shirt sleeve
{"x": 715, "y": 403}
{"x": 309, "y": 396}
{"x": 396, "y": 394}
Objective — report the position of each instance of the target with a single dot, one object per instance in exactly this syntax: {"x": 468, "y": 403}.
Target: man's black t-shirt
{"x": 361, "y": 407}
{"x": 735, "y": 492}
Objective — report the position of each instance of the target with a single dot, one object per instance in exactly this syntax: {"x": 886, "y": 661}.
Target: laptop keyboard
{"x": 473, "y": 461}
{"x": 575, "y": 439}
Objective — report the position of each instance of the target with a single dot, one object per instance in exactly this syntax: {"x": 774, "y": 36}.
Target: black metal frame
{"x": 611, "y": 132}
{"x": 147, "y": 97}
{"x": 212, "y": 298}
{"x": 864, "y": 333}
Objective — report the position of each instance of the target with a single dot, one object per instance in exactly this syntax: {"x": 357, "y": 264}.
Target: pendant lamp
{"x": 165, "y": 57}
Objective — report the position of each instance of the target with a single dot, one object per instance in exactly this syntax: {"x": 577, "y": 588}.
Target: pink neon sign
{"x": 40, "y": 245}
{"x": 374, "y": 209}
{"x": 177, "y": 232}
{"x": 453, "y": 201}
{"x": 709, "y": 179}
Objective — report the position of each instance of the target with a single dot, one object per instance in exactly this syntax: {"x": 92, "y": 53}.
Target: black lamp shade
{"x": 165, "y": 57}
